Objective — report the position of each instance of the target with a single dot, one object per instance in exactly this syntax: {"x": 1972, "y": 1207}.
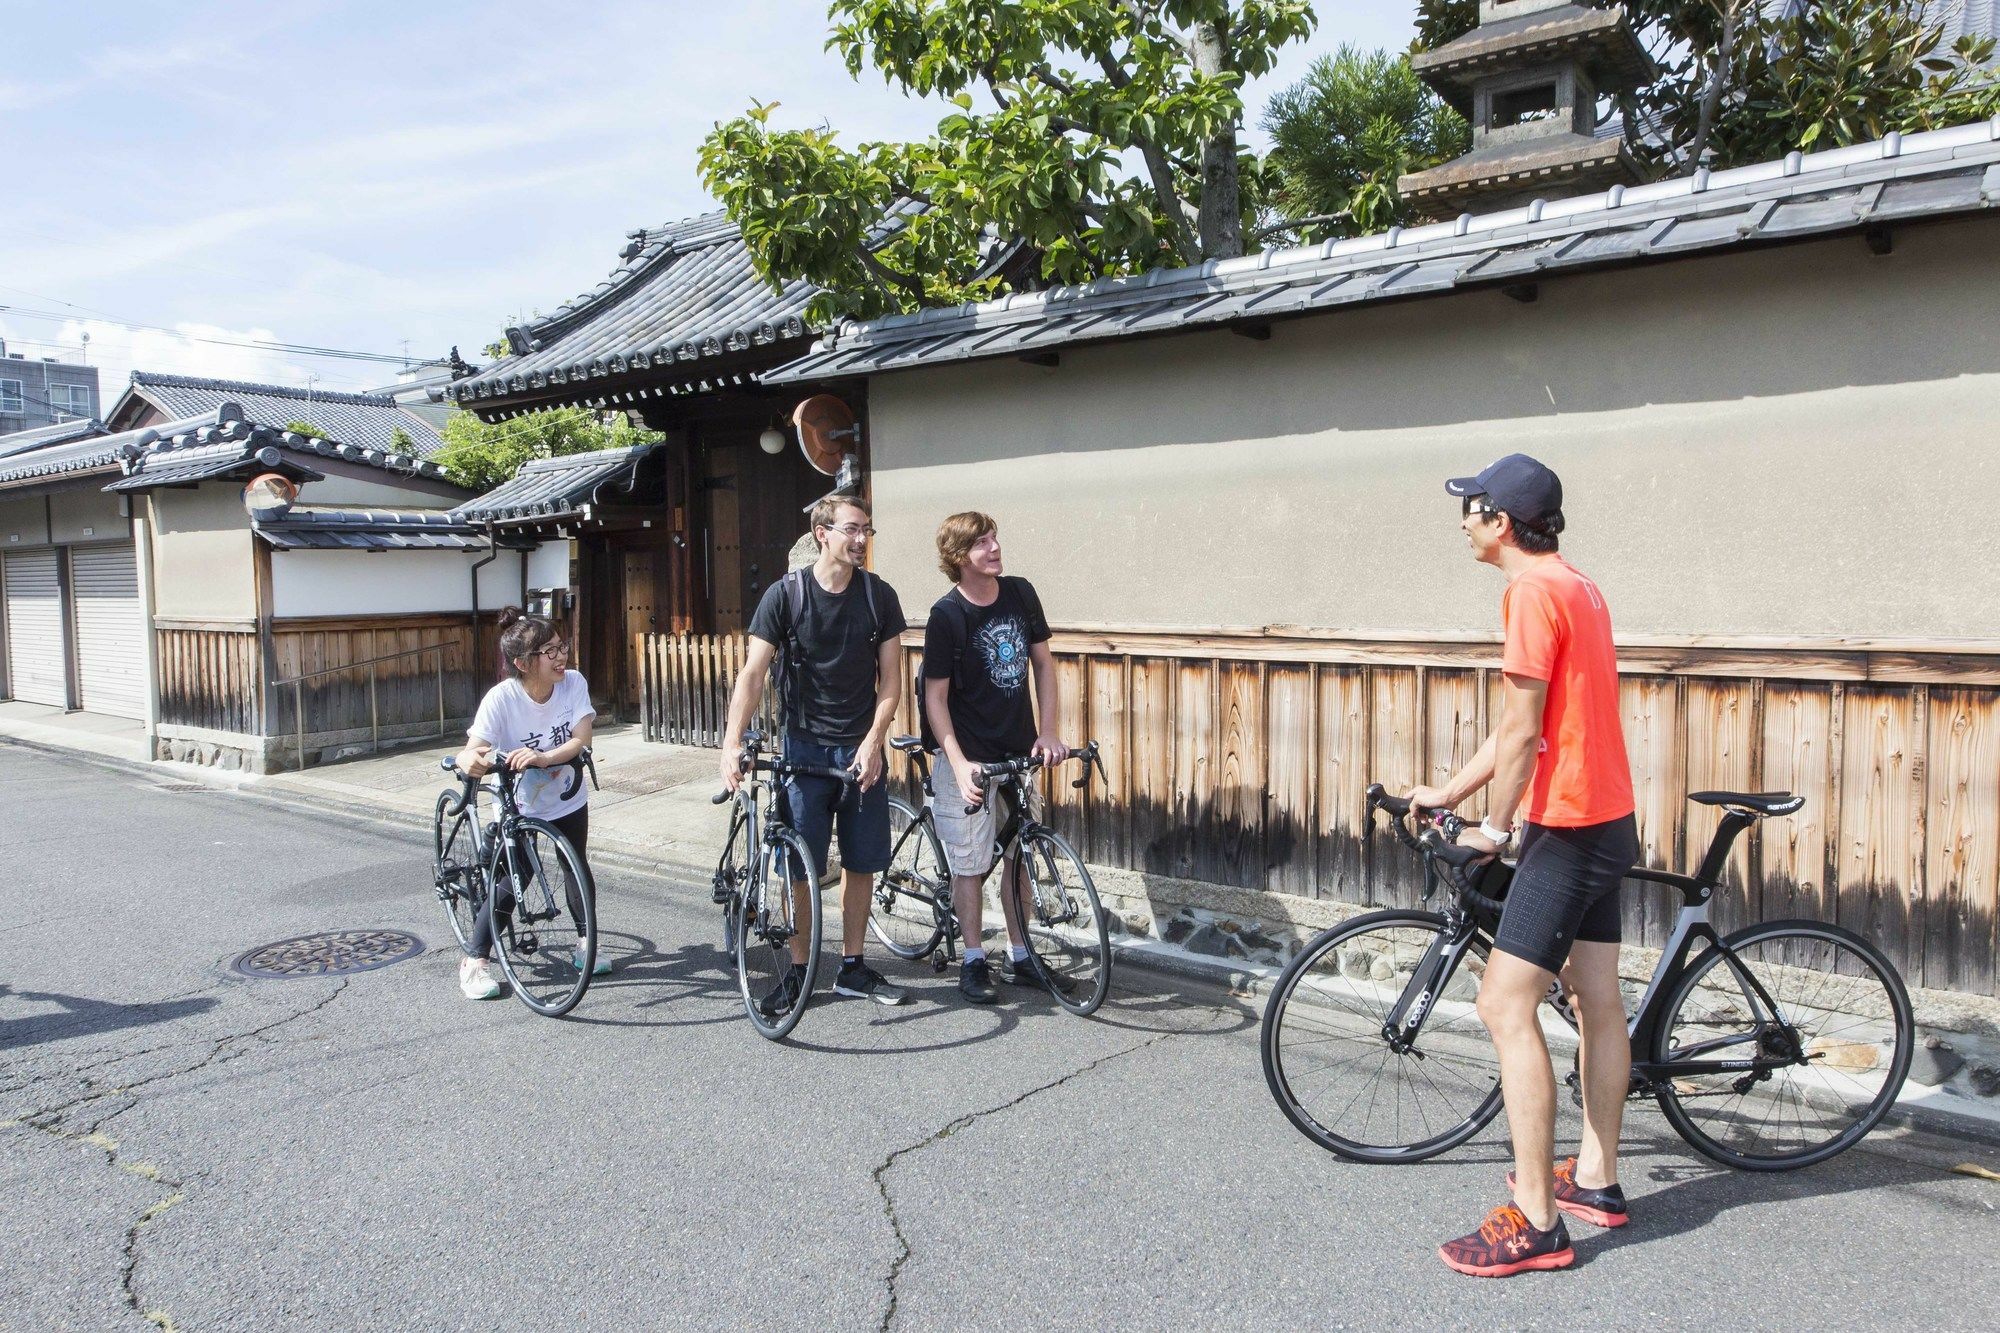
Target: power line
{"x": 255, "y": 344}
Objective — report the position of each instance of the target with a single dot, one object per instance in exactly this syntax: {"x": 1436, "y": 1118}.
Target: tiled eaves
{"x": 1900, "y": 177}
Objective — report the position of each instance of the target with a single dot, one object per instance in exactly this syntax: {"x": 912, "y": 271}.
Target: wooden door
{"x": 725, "y": 542}
{"x": 641, "y": 617}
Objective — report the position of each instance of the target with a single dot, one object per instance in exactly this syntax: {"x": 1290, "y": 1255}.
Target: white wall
{"x": 354, "y": 493}
{"x": 1796, "y": 441}
{"x": 352, "y": 583}
{"x": 548, "y": 565}
{"x": 202, "y": 558}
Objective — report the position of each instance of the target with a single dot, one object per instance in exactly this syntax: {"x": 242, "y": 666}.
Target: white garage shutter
{"x": 110, "y": 631}
{"x": 34, "y": 629}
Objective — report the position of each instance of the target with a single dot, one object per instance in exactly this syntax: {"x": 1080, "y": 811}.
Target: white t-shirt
{"x": 508, "y": 719}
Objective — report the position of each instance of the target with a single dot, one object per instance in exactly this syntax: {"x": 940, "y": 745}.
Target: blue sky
{"x": 366, "y": 175}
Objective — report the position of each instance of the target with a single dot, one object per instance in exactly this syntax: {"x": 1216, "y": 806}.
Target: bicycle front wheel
{"x": 1066, "y": 925}
{"x": 544, "y": 919}
{"x": 904, "y": 910}
{"x": 772, "y": 922}
{"x": 1827, "y": 1021}
{"x": 455, "y": 871}
{"x": 1335, "y": 1075}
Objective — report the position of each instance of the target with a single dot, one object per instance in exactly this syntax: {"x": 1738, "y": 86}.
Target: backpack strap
{"x": 794, "y": 651}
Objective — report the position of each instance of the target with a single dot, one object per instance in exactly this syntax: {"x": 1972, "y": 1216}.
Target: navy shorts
{"x": 814, "y": 806}
{"x": 1565, "y": 889}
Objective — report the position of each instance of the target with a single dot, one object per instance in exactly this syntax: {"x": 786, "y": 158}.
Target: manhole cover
{"x": 332, "y": 954}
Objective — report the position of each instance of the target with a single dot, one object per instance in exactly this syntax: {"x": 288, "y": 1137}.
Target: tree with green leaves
{"x": 1751, "y": 80}
{"x": 1342, "y": 135}
{"x": 483, "y": 454}
{"x": 1101, "y": 133}
{"x": 307, "y": 429}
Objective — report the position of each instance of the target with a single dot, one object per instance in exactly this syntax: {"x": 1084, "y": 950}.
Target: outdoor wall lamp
{"x": 772, "y": 441}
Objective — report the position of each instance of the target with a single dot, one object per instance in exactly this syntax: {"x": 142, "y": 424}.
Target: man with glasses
{"x": 1558, "y": 760}
{"x": 834, "y": 628}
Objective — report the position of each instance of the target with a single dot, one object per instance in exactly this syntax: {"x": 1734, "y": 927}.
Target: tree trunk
{"x": 1221, "y": 221}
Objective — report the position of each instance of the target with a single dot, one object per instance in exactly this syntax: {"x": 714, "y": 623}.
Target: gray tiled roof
{"x": 686, "y": 298}
{"x": 304, "y": 529}
{"x": 77, "y": 457}
{"x": 59, "y": 432}
{"x": 553, "y": 488}
{"x": 366, "y": 419}
{"x": 226, "y": 441}
{"x": 1933, "y": 174}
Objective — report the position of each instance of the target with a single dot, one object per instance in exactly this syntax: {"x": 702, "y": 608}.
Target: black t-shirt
{"x": 984, "y": 652}
{"x": 836, "y": 687}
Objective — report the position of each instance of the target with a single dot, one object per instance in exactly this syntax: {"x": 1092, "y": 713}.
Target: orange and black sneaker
{"x": 1604, "y": 1208}
{"x": 1507, "y": 1243}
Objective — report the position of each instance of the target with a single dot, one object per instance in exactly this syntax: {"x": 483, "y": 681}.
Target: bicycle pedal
{"x": 938, "y": 964}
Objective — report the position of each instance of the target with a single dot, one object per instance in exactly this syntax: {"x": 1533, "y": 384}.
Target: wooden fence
{"x": 208, "y": 677}
{"x": 684, "y": 686}
{"x": 1241, "y": 759}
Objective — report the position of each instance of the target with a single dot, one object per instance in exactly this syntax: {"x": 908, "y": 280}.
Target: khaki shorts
{"x": 968, "y": 839}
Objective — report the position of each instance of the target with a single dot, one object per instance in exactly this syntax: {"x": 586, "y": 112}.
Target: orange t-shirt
{"x": 1559, "y": 630}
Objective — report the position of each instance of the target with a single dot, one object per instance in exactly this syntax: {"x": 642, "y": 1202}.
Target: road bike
{"x": 910, "y": 911}
{"x": 761, "y": 914}
{"x": 544, "y": 901}
{"x": 1775, "y": 1047}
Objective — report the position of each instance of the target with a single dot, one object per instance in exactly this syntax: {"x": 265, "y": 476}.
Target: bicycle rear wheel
{"x": 733, "y": 874}
{"x": 1838, "y": 1045}
{"x": 455, "y": 873}
{"x": 768, "y": 918}
{"x": 1334, "y": 1073}
{"x": 904, "y": 911}
{"x": 1066, "y": 925}
{"x": 545, "y": 923}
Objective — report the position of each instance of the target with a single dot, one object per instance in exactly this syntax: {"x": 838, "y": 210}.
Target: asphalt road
{"x": 207, "y": 1151}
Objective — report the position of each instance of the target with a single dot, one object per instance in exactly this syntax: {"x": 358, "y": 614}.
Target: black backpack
{"x": 791, "y": 654}
{"x": 943, "y": 606}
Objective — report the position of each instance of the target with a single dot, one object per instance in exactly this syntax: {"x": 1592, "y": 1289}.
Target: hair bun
{"x": 510, "y": 614}
{"x": 1553, "y": 524}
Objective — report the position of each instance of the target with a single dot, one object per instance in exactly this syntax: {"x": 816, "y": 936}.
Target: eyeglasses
{"x": 555, "y": 652}
{"x": 1472, "y": 506}
{"x": 851, "y": 530}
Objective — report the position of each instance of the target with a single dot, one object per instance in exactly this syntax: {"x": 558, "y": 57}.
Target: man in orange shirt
{"x": 1558, "y": 759}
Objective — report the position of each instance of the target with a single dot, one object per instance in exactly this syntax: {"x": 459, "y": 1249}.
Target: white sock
{"x": 974, "y": 954}
{"x": 1019, "y": 952}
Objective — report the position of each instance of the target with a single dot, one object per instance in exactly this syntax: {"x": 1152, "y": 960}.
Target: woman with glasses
{"x": 534, "y": 722}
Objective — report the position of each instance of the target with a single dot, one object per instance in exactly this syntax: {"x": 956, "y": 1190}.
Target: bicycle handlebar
{"x": 1438, "y": 843}
{"x": 584, "y": 761}
{"x": 1009, "y": 768}
{"x": 785, "y": 768}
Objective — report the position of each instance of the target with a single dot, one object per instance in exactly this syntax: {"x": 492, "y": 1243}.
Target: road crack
{"x": 881, "y": 1171}
{"x": 52, "y": 1121}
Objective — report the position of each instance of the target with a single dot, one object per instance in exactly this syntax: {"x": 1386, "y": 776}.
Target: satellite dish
{"x": 826, "y": 431}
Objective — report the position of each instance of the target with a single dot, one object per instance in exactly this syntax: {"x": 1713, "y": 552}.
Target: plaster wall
{"x": 24, "y": 522}
{"x": 202, "y": 558}
{"x": 89, "y": 516}
{"x": 384, "y": 583}
{"x": 1792, "y": 441}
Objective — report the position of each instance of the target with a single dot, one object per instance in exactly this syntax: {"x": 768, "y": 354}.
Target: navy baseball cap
{"x": 1517, "y": 484}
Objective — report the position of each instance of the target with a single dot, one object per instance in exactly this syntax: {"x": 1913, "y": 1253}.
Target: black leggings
{"x": 576, "y": 827}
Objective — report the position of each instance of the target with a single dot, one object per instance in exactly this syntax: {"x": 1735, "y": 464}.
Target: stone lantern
{"x": 1529, "y": 78}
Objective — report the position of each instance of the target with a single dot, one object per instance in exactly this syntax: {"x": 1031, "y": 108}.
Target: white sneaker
{"x": 476, "y": 980}
{"x": 602, "y": 967}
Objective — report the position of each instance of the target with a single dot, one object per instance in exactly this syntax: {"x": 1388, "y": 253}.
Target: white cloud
{"x": 117, "y": 352}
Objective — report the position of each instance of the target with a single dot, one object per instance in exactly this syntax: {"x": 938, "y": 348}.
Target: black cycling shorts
{"x": 1565, "y": 889}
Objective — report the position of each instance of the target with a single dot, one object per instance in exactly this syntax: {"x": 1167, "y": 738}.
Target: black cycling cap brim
{"x": 1463, "y": 486}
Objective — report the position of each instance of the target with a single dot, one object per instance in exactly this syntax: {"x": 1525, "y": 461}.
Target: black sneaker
{"x": 1030, "y": 972}
{"x": 975, "y": 981}
{"x": 865, "y": 983}
{"x": 781, "y": 997}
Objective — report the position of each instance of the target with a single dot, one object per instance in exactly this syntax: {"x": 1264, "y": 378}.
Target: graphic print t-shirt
{"x": 508, "y": 719}
{"x": 836, "y": 688}
{"x": 983, "y": 651}
{"x": 1559, "y": 630}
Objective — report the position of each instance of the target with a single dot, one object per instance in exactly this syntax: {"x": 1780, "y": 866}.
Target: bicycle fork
{"x": 1427, "y": 980}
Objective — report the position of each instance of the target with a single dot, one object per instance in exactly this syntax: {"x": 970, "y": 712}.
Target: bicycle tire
{"x": 547, "y": 976}
{"x": 1452, "y": 1030}
{"x": 732, "y": 876}
{"x": 1065, "y": 921}
{"x": 455, "y": 869}
{"x": 1799, "y": 966}
{"x": 764, "y": 951}
{"x": 907, "y": 907}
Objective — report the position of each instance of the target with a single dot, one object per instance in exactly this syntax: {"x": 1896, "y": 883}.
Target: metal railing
{"x": 297, "y": 685}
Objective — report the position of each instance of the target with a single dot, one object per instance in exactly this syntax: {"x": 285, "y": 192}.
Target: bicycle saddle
{"x": 907, "y": 744}
{"x": 1761, "y": 802}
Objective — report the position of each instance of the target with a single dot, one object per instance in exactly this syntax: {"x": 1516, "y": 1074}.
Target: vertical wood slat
{"x": 1962, "y": 852}
{"x": 1881, "y": 822}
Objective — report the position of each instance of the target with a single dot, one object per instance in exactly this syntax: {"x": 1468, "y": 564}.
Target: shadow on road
{"x": 81, "y": 1016}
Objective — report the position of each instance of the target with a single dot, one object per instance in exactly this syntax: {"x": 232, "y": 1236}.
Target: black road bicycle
{"x": 544, "y": 899}
{"x": 761, "y": 915}
{"x": 911, "y": 911}
{"x": 1775, "y": 1047}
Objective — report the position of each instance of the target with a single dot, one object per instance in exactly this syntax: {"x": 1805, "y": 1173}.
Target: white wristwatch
{"x": 1499, "y": 837}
